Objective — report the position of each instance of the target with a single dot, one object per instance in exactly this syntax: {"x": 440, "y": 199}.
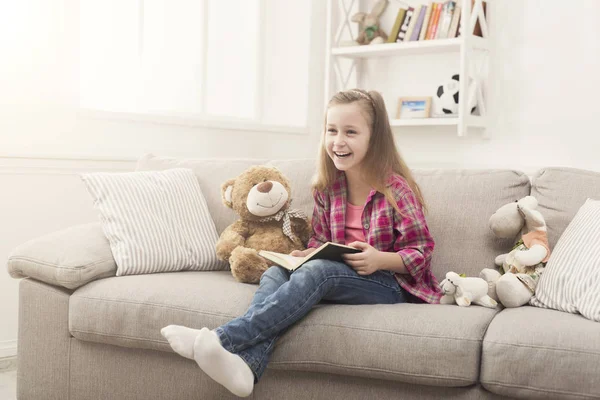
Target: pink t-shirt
{"x": 354, "y": 228}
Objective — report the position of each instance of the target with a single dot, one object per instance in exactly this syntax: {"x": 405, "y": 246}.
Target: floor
{"x": 8, "y": 384}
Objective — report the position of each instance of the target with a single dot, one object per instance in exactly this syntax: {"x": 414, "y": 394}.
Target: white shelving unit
{"x": 464, "y": 47}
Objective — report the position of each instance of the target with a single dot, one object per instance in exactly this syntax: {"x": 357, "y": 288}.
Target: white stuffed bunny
{"x": 369, "y": 28}
{"x": 522, "y": 267}
{"x": 465, "y": 291}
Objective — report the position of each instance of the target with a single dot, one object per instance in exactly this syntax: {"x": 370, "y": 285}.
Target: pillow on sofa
{"x": 155, "y": 221}
{"x": 69, "y": 258}
{"x": 571, "y": 279}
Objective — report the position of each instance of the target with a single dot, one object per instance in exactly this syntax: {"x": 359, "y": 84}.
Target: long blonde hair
{"x": 382, "y": 154}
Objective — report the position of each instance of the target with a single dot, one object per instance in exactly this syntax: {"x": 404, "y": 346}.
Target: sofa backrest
{"x": 211, "y": 173}
{"x": 300, "y": 172}
{"x": 460, "y": 203}
{"x": 560, "y": 193}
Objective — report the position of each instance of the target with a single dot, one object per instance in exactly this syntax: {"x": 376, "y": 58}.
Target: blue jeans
{"x": 283, "y": 298}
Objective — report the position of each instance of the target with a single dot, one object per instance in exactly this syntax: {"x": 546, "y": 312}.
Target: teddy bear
{"x": 369, "y": 28}
{"x": 465, "y": 290}
{"x": 520, "y": 269}
{"x": 261, "y": 196}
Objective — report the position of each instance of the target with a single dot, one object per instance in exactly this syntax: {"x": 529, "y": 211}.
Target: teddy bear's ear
{"x": 226, "y": 190}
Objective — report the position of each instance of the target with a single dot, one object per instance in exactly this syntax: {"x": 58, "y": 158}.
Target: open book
{"x": 328, "y": 251}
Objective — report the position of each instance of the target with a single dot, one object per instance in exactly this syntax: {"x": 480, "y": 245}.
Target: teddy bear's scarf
{"x": 287, "y": 226}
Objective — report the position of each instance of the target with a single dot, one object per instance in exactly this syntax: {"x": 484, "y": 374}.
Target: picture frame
{"x": 414, "y": 107}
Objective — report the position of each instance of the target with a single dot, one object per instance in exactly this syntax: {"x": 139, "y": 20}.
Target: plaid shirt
{"x": 384, "y": 229}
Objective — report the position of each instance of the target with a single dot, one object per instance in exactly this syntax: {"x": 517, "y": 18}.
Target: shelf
{"x": 472, "y": 121}
{"x": 424, "y": 122}
{"x": 409, "y": 48}
{"x": 349, "y": 64}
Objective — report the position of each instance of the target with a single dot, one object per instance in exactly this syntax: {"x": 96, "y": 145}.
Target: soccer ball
{"x": 446, "y": 97}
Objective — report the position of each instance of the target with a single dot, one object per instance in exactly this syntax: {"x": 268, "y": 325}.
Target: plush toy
{"x": 261, "y": 196}
{"x": 520, "y": 269}
{"x": 369, "y": 28}
{"x": 464, "y": 291}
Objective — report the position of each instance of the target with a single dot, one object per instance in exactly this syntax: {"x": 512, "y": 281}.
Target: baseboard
{"x": 8, "y": 349}
{"x": 8, "y": 363}
{"x": 8, "y": 355}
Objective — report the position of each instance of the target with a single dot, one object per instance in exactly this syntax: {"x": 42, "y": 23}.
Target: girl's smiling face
{"x": 347, "y": 136}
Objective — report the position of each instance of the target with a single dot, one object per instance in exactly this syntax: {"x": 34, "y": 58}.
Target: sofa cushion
{"x": 211, "y": 174}
{"x": 460, "y": 204}
{"x": 69, "y": 258}
{"x": 571, "y": 279}
{"x": 155, "y": 221}
{"x": 418, "y": 343}
{"x": 530, "y": 352}
{"x": 560, "y": 193}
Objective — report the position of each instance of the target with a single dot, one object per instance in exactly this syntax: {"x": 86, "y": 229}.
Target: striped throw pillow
{"x": 571, "y": 279}
{"x": 155, "y": 221}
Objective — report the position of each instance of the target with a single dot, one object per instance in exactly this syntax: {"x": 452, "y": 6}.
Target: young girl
{"x": 366, "y": 197}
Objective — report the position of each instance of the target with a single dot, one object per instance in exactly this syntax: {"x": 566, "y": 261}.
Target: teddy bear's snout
{"x": 265, "y": 187}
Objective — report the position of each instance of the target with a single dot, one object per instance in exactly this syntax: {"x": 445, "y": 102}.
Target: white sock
{"x": 226, "y": 368}
{"x": 181, "y": 339}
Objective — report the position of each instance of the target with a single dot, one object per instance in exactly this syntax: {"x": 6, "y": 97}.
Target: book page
{"x": 291, "y": 260}
{"x": 327, "y": 251}
{"x": 284, "y": 260}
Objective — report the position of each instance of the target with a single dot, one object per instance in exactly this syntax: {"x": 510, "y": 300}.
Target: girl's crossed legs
{"x": 236, "y": 353}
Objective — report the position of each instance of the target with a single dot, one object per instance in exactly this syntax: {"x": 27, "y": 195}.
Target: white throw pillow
{"x": 571, "y": 279}
{"x": 155, "y": 221}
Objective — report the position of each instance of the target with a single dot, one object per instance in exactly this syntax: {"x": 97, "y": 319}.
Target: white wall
{"x": 38, "y": 114}
{"x": 544, "y": 61}
{"x": 45, "y": 142}
{"x": 39, "y": 196}
{"x": 542, "y": 96}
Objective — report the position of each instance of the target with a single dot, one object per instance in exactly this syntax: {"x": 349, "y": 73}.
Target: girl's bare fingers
{"x": 359, "y": 264}
{"x": 354, "y": 257}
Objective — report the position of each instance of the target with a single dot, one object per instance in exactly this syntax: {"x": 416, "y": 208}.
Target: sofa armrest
{"x": 69, "y": 258}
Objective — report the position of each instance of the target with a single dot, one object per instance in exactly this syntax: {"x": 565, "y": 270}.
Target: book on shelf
{"x": 419, "y": 23}
{"x": 453, "y": 30}
{"x": 438, "y": 31}
{"x": 405, "y": 24}
{"x": 396, "y": 28}
{"x": 432, "y": 19}
{"x": 328, "y": 251}
{"x": 413, "y": 24}
{"x": 445, "y": 19}
{"x": 435, "y": 21}
{"x": 425, "y": 26}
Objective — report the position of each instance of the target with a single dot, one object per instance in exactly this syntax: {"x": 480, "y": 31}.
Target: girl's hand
{"x": 302, "y": 253}
{"x": 367, "y": 261}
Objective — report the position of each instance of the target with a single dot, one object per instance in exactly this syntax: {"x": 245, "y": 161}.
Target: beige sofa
{"x": 102, "y": 339}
